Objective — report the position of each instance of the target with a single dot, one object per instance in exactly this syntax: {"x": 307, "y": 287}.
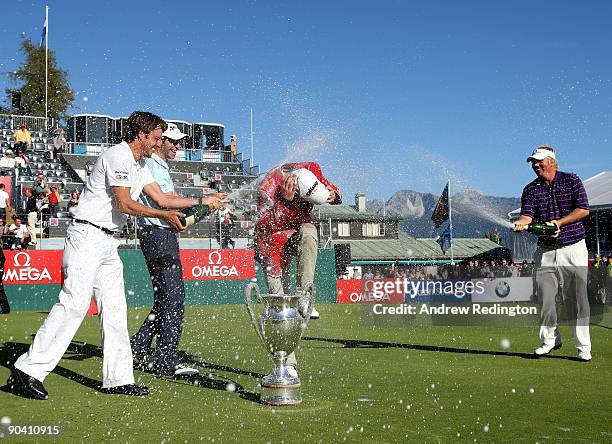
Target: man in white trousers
{"x": 562, "y": 259}
{"x": 91, "y": 264}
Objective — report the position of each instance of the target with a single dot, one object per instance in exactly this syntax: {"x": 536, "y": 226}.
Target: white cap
{"x": 541, "y": 153}
{"x": 311, "y": 188}
{"x": 173, "y": 132}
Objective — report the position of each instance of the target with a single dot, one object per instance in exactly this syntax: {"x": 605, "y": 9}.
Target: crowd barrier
{"x": 399, "y": 291}
{"x": 32, "y": 278}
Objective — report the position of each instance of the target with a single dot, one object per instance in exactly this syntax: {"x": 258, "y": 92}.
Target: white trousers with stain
{"x": 91, "y": 266}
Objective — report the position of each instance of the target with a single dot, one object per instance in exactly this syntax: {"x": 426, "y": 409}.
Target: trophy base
{"x": 280, "y": 394}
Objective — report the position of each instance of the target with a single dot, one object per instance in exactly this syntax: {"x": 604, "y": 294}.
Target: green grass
{"x": 362, "y": 384}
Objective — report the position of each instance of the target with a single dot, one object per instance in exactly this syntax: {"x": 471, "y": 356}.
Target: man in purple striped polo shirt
{"x": 561, "y": 260}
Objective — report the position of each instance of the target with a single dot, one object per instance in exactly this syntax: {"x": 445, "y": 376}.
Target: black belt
{"x": 104, "y": 230}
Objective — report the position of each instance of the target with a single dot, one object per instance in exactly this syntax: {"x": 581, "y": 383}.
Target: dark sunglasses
{"x": 173, "y": 142}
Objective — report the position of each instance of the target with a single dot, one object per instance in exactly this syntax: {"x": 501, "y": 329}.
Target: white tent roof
{"x": 599, "y": 192}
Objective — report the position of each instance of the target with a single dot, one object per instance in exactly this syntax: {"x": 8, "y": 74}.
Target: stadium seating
{"x": 69, "y": 171}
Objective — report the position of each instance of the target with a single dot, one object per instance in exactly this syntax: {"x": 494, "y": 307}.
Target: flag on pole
{"x": 441, "y": 211}
{"x": 445, "y": 240}
{"x": 43, "y": 37}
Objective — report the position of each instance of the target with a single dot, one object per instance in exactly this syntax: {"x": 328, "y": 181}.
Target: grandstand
{"x": 204, "y": 165}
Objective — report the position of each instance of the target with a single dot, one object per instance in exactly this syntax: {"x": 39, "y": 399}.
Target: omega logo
{"x": 26, "y": 262}
{"x": 215, "y": 268}
{"x": 212, "y": 256}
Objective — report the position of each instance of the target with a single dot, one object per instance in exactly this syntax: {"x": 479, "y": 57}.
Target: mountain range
{"x": 473, "y": 213}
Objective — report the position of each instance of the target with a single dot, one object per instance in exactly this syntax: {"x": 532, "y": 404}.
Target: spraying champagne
{"x": 542, "y": 229}
{"x": 196, "y": 213}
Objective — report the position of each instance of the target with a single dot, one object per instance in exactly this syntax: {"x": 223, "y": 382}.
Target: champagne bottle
{"x": 193, "y": 214}
{"x": 541, "y": 229}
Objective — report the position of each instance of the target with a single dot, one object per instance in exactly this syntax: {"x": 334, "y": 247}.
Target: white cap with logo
{"x": 311, "y": 189}
{"x": 541, "y": 153}
{"x": 173, "y": 132}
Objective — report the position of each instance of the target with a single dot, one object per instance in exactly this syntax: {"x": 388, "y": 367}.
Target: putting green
{"x": 374, "y": 384}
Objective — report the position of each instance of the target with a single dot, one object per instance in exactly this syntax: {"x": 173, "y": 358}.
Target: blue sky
{"x": 385, "y": 95}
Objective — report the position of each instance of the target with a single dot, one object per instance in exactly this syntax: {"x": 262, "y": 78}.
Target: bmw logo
{"x": 502, "y": 289}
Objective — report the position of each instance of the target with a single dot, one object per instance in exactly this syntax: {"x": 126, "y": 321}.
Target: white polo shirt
{"x": 4, "y": 198}
{"x": 161, "y": 173}
{"x": 20, "y": 231}
{"x": 116, "y": 167}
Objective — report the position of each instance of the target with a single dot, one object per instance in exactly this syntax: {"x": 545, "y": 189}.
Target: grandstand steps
{"x": 191, "y": 179}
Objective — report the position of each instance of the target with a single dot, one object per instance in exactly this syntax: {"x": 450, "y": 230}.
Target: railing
{"x": 33, "y": 123}
{"x": 95, "y": 149}
{"x": 204, "y": 155}
{"x": 90, "y": 149}
{"x": 13, "y": 121}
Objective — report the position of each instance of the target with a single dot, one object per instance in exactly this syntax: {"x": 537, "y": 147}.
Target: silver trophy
{"x": 280, "y": 325}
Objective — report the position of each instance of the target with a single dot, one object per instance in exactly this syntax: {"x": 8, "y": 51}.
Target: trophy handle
{"x": 251, "y": 288}
{"x": 310, "y": 290}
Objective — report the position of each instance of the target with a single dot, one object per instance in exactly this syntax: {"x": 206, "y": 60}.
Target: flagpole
{"x": 450, "y": 220}
{"x": 251, "y": 160}
{"x": 46, "y": 68}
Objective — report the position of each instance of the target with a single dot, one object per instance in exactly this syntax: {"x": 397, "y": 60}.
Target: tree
{"x": 494, "y": 235}
{"x": 31, "y": 74}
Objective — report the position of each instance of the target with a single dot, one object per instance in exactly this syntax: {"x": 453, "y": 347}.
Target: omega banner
{"x": 33, "y": 267}
{"x": 45, "y": 266}
{"x": 207, "y": 265}
{"x": 358, "y": 291}
{"x": 396, "y": 291}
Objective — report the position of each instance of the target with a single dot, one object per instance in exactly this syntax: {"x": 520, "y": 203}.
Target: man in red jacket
{"x": 286, "y": 197}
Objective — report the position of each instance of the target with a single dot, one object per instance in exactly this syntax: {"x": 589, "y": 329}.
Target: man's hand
{"x": 214, "y": 201}
{"x": 290, "y": 187}
{"x": 521, "y": 223}
{"x": 171, "y": 216}
{"x": 558, "y": 225}
{"x": 219, "y": 196}
{"x": 332, "y": 195}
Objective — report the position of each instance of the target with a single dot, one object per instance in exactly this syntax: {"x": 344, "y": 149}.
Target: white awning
{"x": 599, "y": 192}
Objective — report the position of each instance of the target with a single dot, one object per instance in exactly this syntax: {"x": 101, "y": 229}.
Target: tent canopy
{"x": 599, "y": 192}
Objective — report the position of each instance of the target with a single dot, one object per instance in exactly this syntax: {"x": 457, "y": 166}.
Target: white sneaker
{"x": 291, "y": 371}
{"x": 545, "y": 349}
{"x": 584, "y": 356}
{"x": 183, "y": 370}
{"x": 314, "y": 314}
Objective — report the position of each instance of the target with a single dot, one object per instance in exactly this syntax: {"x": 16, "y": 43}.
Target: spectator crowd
{"x": 472, "y": 269}
{"x": 600, "y": 280}
{"x": 600, "y": 273}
